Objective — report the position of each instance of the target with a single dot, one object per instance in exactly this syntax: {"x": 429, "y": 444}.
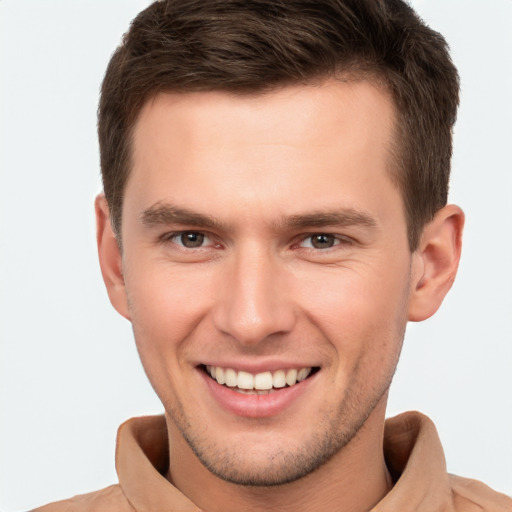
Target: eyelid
{"x": 210, "y": 240}
{"x": 174, "y": 237}
{"x": 339, "y": 240}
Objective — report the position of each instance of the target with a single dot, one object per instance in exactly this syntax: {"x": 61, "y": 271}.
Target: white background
{"x": 69, "y": 372}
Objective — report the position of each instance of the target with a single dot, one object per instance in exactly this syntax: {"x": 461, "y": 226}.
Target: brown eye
{"x": 322, "y": 241}
{"x": 191, "y": 239}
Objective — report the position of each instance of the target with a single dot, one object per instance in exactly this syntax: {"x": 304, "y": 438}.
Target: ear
{"x": 435, "y": 262}
{"x": 110, "y": 257}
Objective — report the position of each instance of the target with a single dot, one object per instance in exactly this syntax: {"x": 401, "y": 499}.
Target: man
{"x": 275, "y": 178}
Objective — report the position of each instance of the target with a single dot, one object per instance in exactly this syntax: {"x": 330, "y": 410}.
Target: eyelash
{"x": 338, "y": 240}
{"x": 172, "y": 237}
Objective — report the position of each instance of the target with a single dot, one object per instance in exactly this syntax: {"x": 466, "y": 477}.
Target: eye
{"x": 190, "y": 239}
{"x": 320, "y": 241}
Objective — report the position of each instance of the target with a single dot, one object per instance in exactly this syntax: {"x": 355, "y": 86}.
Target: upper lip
{"x": 260, "y": 366}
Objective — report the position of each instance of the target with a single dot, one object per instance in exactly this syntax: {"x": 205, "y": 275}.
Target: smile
{"x": 260, "y": 383}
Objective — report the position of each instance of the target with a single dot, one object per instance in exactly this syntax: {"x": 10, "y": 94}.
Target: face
{"x": 265, "y": 243}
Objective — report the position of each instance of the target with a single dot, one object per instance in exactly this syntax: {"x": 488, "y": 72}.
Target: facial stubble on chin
{"x": 332, "y": 435}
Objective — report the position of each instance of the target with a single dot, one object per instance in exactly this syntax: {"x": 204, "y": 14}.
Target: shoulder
{"x": 111, "y": 498}
{"x": 472, "y": 495}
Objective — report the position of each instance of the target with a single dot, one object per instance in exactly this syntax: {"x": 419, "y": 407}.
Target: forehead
{"x": 266, "y": 150}
{"x": 287, "y": 113}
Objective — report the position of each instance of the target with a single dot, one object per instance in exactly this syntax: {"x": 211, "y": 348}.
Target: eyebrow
{"x": 344, "y": 217}
{"x": 166, "y": 214}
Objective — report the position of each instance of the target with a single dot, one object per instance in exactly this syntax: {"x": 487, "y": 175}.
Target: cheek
{"x": 360, "y": 311}
{"x": 164, "y": 290}
{"x": 165, "y": 306}
{"x": 164, "y": 311}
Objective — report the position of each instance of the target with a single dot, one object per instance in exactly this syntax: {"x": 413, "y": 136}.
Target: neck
{"x": 354, "y": 480}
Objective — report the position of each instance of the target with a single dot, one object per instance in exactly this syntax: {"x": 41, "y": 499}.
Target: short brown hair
{"x": 254, "y": 46}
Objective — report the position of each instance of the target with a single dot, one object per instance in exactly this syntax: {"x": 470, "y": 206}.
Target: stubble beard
{"x": 332, "y": 434}
{"x": 334, "y": 430}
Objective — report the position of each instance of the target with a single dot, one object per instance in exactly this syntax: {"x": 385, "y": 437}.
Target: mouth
{"x": 263, "y": 383}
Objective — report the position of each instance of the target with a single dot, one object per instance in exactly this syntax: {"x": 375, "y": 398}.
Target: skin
{"x": 258, "y": 176}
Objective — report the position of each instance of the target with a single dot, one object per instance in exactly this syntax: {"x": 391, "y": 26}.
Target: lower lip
{"x": 256, "y": 406}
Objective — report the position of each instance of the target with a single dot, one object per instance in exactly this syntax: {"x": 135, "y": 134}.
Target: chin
{"x": 258, "y": 459}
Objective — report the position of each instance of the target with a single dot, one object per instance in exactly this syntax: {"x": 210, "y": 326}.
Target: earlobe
{"x": 437, "y": 259}
{"x": 110, "y": 257}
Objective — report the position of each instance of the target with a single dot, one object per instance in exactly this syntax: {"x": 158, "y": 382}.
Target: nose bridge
{"x": 253, "y": 303}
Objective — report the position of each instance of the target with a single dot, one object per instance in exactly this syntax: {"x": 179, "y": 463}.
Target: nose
{"x": 253, "y": 302}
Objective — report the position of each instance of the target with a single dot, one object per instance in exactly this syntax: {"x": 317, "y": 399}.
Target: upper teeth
{"x": 260, "y": 381}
